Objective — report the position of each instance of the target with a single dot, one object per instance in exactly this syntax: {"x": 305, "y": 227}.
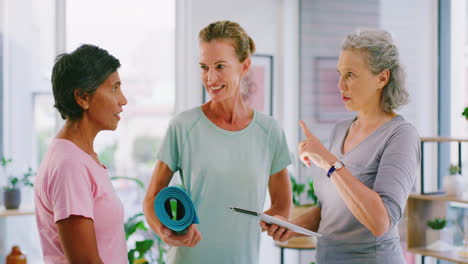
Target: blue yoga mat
{"x": 175, "y": 219}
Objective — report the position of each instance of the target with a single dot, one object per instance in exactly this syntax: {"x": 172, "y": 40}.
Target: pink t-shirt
{"x": 70, "y": 182}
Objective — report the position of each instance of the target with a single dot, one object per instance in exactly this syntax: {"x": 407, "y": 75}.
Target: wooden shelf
{"x": 299, "y": 243}
{"x": 439, "y": 197}
{"x": 445, "y": 255}
{"x": 419, "y": 209}
{"x": 443, "y": 139}
{"x": 5, "y": 213}
{"x": 423, "y": 207}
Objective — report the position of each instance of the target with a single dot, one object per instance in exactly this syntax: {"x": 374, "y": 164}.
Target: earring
{"x": 85, "y": 107}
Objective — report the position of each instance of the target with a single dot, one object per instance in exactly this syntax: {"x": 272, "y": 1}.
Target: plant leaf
{"x": 131, "y": 255}
{"x": 311, "y": 192}
{"x": 133, "y": 227}
{"x": 437, "y": 223}
{"x": 130, "y": 225}
{"x": 143, "y": 246}
{"x": 465, "y": 112}
{"x": 5, "y": 161}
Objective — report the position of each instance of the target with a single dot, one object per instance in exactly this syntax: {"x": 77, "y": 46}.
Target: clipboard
{"x": 273, "y": 220}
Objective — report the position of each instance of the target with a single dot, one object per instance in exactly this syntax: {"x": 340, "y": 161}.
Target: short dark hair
{"x": 85, "y": 69}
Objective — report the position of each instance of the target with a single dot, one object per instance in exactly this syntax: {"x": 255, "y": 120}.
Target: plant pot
{"x": 453, "y": 185}
{"x": 12, "y": 199}
{"x": 432, "y": 236}
{"x": 447, "y": 234}
{"x": 444, "y": 235}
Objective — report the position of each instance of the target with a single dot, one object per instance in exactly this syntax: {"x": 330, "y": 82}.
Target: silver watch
{"x": 338, "y": 165}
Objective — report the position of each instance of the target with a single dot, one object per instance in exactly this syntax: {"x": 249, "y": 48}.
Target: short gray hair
{"x": 382, "y": 54}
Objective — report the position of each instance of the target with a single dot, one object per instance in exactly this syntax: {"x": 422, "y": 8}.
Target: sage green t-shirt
{"x": 219, "y": 169}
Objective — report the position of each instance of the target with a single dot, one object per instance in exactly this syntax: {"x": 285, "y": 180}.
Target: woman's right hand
{"x": 189, "y": 239}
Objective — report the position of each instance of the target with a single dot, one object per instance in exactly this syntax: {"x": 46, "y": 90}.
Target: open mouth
{"x": 215, "y": 88}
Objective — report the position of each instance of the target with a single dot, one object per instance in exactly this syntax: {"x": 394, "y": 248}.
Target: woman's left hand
{"x": 278, "y": 233}
{"x": 313, "y": 151}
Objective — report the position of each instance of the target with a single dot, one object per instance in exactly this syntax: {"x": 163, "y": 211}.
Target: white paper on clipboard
{"x": 273, "y": 220}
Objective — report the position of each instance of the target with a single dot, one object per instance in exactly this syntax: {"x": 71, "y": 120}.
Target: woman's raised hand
{"x": 311, "y": 150}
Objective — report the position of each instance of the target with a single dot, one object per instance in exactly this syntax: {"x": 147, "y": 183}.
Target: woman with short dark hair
{"x": 79, "y": 216}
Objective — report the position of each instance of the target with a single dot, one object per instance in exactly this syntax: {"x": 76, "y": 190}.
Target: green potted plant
{"x": 453, "y": 183}
{"x": 433, "y": 233}
{"x": 3, "y": 173}
{"x": 465, "y": 113}
{"x": 131, "y": 226}
{"x": 437, "y": 223}
{"x": 144, "y": 238}
{"x": 300, "y": 208}
{"x": 299, "y": 188}
{"x": 12, "y": 191}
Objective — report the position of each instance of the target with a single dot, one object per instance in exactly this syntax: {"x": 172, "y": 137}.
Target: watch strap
{"x": 336, "y": 166}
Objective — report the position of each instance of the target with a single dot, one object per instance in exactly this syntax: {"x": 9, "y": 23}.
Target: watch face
{"x": 338, "y": 165}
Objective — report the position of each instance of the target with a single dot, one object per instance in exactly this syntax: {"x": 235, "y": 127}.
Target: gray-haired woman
{"x": 370, "y": 165}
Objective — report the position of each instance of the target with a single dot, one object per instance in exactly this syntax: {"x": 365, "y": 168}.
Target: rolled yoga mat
{"x": 175, "y": 209}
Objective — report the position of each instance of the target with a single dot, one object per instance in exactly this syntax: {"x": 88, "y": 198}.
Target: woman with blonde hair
{"x": 227, "y": 155}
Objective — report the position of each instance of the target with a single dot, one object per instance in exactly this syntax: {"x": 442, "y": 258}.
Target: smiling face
{"x": 221, "y": 71}
{"x": 360, "y": 89}
{"x": 104, "y": 106}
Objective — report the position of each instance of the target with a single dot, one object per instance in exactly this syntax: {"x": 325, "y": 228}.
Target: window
{"x": 457, "y": 56}
{"x": 1, "y": 93}
{"x": 27, "y": 52}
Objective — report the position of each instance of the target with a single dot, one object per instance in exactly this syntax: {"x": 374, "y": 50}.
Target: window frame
{"x": 444, "y": 101}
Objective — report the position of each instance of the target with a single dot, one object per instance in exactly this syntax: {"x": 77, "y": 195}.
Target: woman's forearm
{"x": 364, "y": 203}
{"x": 279, "y": 187}
{"x": 150, "y": 214}
{"x": 160, "y": 179}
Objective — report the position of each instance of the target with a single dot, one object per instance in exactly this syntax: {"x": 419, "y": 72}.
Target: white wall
{"x": 414, "y": 28}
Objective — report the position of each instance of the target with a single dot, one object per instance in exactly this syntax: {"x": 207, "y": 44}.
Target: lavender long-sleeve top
{"x": 387, "y": 162}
